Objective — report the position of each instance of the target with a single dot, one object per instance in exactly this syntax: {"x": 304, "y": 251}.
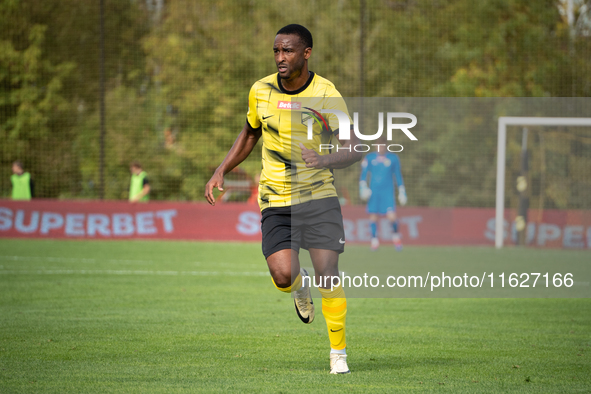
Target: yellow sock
{"x": 334, "y": 309}
{"x": 297, "y": 283}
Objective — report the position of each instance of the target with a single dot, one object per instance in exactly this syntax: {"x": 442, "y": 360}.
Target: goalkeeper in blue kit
{"x": 376, "y": 186}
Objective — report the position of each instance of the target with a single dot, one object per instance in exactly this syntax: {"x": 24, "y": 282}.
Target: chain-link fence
{"x": 177, "y": 77}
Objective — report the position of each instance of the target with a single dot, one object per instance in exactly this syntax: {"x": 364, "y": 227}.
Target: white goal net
{"x": 555, "y": 173}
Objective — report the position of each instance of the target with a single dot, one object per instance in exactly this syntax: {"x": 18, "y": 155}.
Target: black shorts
{"x": 315, "y": 224}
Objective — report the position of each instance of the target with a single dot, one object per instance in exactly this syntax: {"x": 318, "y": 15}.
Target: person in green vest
{"x": 139, "y": 188}
{"x": 23, "y": 187}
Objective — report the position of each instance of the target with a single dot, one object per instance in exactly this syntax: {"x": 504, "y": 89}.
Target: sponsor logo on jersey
{"x": 289, "y": 105}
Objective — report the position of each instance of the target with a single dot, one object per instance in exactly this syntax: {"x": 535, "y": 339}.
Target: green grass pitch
{"x": 168, "y": 317}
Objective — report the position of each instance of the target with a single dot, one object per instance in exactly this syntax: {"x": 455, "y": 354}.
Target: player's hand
{"x": 311, "y": 157}
{"x": 217, "y": 180}
{"x": 402, "y": 195}
{"x": 364, "y": 191}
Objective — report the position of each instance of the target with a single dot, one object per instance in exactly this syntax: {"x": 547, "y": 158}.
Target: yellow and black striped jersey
{"x": 283, "y": 116}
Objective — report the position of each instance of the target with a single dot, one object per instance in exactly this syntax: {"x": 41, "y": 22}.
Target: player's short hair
{"x": 300, "y": 31}
{"x": 18, "y": 163}
{"x": 135, "y": 164}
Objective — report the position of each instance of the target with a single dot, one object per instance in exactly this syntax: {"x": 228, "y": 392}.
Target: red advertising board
{"x": 241, "y": 222}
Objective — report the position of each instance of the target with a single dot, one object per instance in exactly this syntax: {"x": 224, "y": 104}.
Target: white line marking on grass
{"x": 130, "y": 272}
{"x": 114, "y": 261}
{"x": 130, "y": 261}
{"x": 73, "y": 260}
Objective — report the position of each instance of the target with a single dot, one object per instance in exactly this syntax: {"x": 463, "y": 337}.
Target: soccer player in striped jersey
{"x": 297, "y": 197}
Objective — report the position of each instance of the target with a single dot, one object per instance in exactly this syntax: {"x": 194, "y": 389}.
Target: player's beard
{"x": 296, "y": 67}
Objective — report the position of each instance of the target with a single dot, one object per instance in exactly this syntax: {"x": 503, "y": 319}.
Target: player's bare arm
{"x": 144, "y": 192}
{"x": 244, "y": 144}
{"x": 341, "y": 159}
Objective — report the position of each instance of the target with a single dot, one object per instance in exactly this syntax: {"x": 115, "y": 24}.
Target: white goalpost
{"x": 505, "y": 121}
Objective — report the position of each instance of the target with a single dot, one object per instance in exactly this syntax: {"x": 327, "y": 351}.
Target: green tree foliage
{"x": 49, "y": 83}
{"x": 32, "y": 106}
{"x": 178, "y": 80}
